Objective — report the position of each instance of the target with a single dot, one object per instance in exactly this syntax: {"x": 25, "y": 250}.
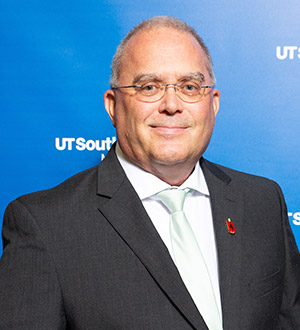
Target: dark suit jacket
{"x": 85, "y": 255}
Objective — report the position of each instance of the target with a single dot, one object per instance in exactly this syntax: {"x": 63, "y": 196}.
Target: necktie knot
{"x": 173, "y": 198}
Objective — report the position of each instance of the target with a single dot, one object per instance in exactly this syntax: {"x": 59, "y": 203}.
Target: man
{"x": 96, "y": 252}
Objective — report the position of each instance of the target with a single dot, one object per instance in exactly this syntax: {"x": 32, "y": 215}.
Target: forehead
{"x": 164, "y": 51}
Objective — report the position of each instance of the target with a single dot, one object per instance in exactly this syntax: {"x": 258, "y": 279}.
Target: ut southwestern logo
{"x": 294, "y": 218}
{"x": 287, "y": 52}
{"x": 82, "y": 144}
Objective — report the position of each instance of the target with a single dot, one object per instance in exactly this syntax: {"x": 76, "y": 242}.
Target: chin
{"x": 170, "y": 158}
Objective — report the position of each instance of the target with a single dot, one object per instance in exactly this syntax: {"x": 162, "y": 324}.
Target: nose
{"x": 170, "y": 102}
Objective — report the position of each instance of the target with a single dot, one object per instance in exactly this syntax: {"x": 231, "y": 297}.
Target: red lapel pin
{"x": 230, "y": 226}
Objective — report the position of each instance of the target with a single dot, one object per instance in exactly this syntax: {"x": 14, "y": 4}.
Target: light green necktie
{"x": 189, "y": 260}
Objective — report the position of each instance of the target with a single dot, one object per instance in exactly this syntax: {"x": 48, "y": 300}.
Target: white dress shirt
{"x": 196, "y": 207}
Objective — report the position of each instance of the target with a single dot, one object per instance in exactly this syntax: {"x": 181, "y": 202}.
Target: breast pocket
{"x": 267, "y": 284}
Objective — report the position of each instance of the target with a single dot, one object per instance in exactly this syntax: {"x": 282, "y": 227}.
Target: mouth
{"x": 163, "y": 129}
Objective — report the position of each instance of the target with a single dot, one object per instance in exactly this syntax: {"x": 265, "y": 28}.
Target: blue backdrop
{"x": 54, "y": 69}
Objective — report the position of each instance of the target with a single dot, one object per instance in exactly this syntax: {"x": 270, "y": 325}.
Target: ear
{"x": 109, "y": 104}
{"x": 216, "y": 100}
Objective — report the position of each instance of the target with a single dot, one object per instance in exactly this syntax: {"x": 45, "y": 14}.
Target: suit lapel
{"x": 226, "y": 203}
{"x": 121, "y": 206}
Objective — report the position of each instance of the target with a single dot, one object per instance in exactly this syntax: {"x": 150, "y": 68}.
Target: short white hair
{"x": 157, "y": 21}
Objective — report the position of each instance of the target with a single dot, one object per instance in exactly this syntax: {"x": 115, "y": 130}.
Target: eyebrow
{"x": 139, "y": 79}
{"x": 193, "y": 76}
{"x": 146, "y": 77}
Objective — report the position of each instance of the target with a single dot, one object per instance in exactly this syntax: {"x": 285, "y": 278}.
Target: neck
{"x": 174, "y": 175}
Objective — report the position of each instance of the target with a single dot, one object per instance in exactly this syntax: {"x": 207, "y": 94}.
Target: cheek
{"x": 205, "y": 116}
{"x": 131, "y": 117}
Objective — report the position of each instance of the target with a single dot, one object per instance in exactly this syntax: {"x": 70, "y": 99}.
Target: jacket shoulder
{"x": 69, "y": 191}
{"x": 235, "y": 176}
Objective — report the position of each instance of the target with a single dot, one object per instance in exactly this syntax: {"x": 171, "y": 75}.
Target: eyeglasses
{"x": 188, "y": 91}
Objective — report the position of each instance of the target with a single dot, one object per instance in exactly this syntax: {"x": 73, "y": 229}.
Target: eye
{"x": 150, "y": 88}
{"x": 190, "y": 87}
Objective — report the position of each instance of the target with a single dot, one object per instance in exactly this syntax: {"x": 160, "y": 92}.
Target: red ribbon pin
{"x": 230, "y": 226}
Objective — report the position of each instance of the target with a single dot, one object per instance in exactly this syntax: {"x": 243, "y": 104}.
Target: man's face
{"x": 169, "y": 131}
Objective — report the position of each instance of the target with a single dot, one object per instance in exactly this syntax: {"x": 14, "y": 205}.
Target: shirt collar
{"x": 147, "y": 184}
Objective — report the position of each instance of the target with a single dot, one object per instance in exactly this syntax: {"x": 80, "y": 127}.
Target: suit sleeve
{"x": 29, "y": 288}
{"x": 290, "y": 308}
